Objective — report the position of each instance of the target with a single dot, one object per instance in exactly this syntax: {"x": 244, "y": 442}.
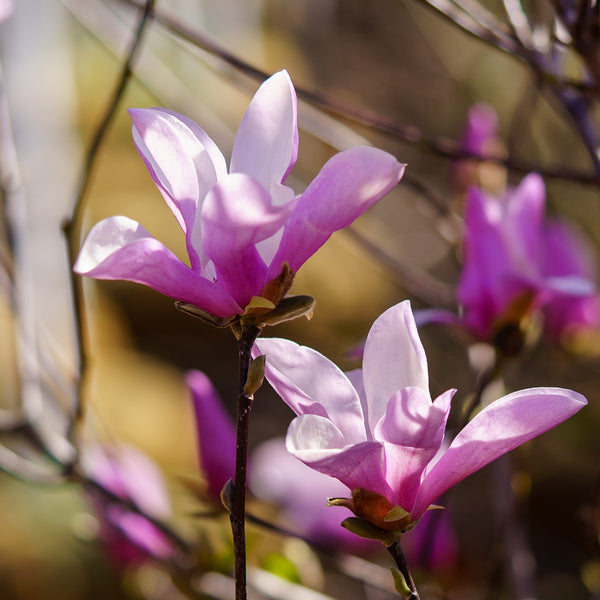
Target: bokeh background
{"x": 398, "y": 58}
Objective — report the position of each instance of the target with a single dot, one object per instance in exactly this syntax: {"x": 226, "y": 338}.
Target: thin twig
{"x": 421, "y": 285}
{"x": 27, "y": 470}
{"x": 411, "y": 134}
{"x": 72, "y": 226}
{"x": 94, "y": 486}
{"x": 397, "y": 553}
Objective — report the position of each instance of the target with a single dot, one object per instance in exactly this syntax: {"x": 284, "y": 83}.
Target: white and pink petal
{"x": 393, "y": 359}
{"x": 497, "y": 429}
{"x": 120, "y": 248}
{"x": 309, "y": 383}
{"x": 348, "y": 184}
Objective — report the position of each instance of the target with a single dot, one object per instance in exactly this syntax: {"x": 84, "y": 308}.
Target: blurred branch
{"x": 72, "y": 226}
{"x": 94, "y": 486}
{"x": 485, "y": 28}
{"x": 519, "y": 23}
{"x": 27, "y": 470}
{"x": 421, "y": 284}
{"x": 32, "y": 397}
{"x": 438, "y": 146}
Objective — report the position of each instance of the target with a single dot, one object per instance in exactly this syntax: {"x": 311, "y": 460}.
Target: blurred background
{"x": 395, "y": 58}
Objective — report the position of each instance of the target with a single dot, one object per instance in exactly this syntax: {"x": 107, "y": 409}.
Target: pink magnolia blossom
{"x": 243, "y": 226}
{"x": 275, "y": 475}
{"x": 129, "y": 537}
{"x": 215, "y": 433}
{"x": 516, "y": 262}
{"x": 377, "y": 428}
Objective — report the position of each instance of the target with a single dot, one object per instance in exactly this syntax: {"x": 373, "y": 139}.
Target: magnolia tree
{"x": 372, "y": 456}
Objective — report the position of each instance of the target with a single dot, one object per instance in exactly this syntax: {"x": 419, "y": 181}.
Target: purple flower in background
{"x": 480, "y": 132}
{"x": 479, "y": 136}
{"x": 378, "y": 431}
{"x": 215, "y": 433}
{"x": 515, "y": 262}
{"x": 280, "y": 478}
{"x": 433, "y": 545}
{"x": 243, "y": 228}
{"x": 275, "y": 475}
{"x": 129, "y": 537}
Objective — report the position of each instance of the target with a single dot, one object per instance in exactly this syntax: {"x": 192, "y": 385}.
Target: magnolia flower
{"x": 244, "y": 228}
{"x": 378, "y": 431}
{"x": 275, "y": 475}
{"x": 516, "y": 263}
{"x": 215, "y": 433}
{"x": 129, "y": 537}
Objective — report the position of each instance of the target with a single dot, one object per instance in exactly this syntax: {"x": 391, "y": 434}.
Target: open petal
{"x": 497, "y": 429}
{"x": 120, "y": 248}
{"x": 393, "y": 359}
{"x": 266, "y": 144}
{"x": 347, "y": 186}
{"x": 182, "y": 167}
{"x": 566, "y": 253}
{"x": 309, "y": 383}
{"x": 237, "y": 214}
{"x": 412, "y": 431}
{"x": 216, "y": 156}
{"x": 526, "y": 205}
{"x": 313, "y": 440}
{"x": 216, "y": 432}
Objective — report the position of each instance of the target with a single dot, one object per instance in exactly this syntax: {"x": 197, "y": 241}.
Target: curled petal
{"x": 526, "y": 206}
{"x": 318, "y": 443}
{"x": 266, "y": 143}
{"x": 309, "y": 383}
{"x": 393, "y": 359}
{"x": 216, "y": 432}
{"x": 412, "y": 431}
{"x": 346, "y": 186}
{"x": 216, "y": 156}
{"x": 120, "y": 248}
{"x": 238, "y": 213}
{"x": 180, "y": 164}
{"x": 497, "y": 429}
{"x": 411, "y": 419}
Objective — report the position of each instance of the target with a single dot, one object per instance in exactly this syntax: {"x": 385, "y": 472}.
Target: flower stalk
{"x": 397, "y": 553}
{"x": 237, "y": 513}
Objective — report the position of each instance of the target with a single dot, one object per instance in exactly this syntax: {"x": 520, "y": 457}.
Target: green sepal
{"x": 256, "y": 375}
{"x": 258, "y": 302}
{"x": 206, "y": 317}
{"x": 365, "y": 529}
{"x": 400, "y": 583}
{"x": 347, "y": 502}
{"x": 396, "y": 514}
{"x": 288, "y": 308}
